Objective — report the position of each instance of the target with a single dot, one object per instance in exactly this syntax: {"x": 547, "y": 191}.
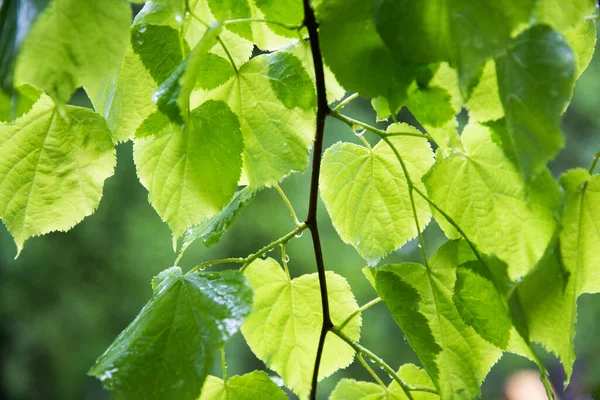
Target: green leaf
{"x": 549, "y": 296}
{"x": 464, "y": 33}
{"x": 124, "y": 97}
{"x": 277, "y": 139}
{"x": 291, "y": 83}
{"x": 72, "y": 43}
{"x": 211, "y": 230}
{"x": 212, "y": 72}
{"x": 157, "y": 124}
{"x": 465, "y": 358}
{"x": 25, "y": 97}
{"x": 169, "y": 349}
{"x": 476, "y": 299}
{"x": 53, "y": 169}
{"x": 357, "y": 390}
{"x": 284, "y": 326}
{"x": 192, "y": 172}
{"x": 547, "y": 300}
{"x": 485, "y": 104}
{"x": 481, "y": 190}
{"x": 158, "y": 48}
{"x": 536, "y": 77}
{"x": 16, "y": 19}
{"x": 233, "y": 9}
{"x": 356, "y": 54}
{"x": 173, "y": 95}
{"x": 403, "y": 302}
{"x": 569, "y": 18}
{"x": 290, "y": 12}
{"x": 366, "y": 193}
{"x": 253, "y": 386}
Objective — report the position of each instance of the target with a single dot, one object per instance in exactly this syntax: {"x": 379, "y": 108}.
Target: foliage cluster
{"x": 214, "y": 121}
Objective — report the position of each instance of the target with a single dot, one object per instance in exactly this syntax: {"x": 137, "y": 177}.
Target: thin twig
{"x": 205, "y": 264}
{"x": 370, "y": 370}
{"x": 351, "y": 122}
{"x": 282, "y": 240}
{"x": 311, "y": 219}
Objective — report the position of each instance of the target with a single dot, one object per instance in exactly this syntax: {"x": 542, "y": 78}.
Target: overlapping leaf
{"x": 463, "y": 359}
{"x": 464, "y": 33}
{"x": 72, "y": 43}
{"x": 25, "y": 97}
{"x": 16, "y": 19}
{"x": 124, "y": 97}
{"x": 481, "y": 190}
{"x": 277, "y": 139}
{"x": 53, "y": 168}
{"x": 192, "y": 172}
{"x": 366, "y": 193}
{"x": 536, "y": 77}
{"x": 168, "y": 350}
{"x": 253, "y": 386}
{"x": 284, "y": 326}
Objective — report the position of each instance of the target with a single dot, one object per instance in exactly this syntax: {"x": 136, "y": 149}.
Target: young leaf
{"x": 284, "y": 326}
{"x": 192, "y": 172}
{"x": 253, "y": 386}
{"x": 288, "y": 12}
{"x": 72, "y": 43}
{"x": 536, "y": 77}
{"x": 357, "y": 390}
{"x": 169, "y": 349}
{"x": 291, "y": 83}
{"x": 480, "y": 189}
{"x": 465, "y": 358}
{"x": 366, "y": 193}
{"x": 464, "y": 33}
{"x": 124, "y": 97}
{"x": 233, "y": 9}
{"x": 53, "y": 169}
{"x": 211, "y": 230}
{"x": 16, "y": 19}
{"x": 356, "y": 54}
{"x": 276, "y": 138}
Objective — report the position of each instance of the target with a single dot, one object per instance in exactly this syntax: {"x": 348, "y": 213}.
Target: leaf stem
{"x": 224, "y": 366}
{"x": 594, "y": 163}
{"x": 288, "y": 204}
{"x": 235, "y": 68}
{"x": 360, "y": 349}
{"x": 345, "y": 102}
{"x": 359, "y": 311}
{"x": 284, "y": 260}
{"x": 282, "y": 240}
{"x": 266, "y": 21}
{"x": 351, "y": 122}
{"x": 370, "y": 371}
{"x": 311, "y": 24}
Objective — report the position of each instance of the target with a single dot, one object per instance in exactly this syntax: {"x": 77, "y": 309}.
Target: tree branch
{"x": 311, "y": 220}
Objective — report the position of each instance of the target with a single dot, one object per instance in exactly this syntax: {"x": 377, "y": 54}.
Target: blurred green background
{"x": 69, "y": 294}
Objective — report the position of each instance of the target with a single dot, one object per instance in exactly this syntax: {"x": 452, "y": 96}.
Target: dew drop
{"x": 372, "y": 262}
{"x": 287, "y": 258}
{"x": 299, "y": 234}
{"x": 358, "y": 130}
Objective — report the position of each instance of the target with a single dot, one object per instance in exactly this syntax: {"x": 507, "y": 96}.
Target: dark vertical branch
{"x": 311, "y": 220}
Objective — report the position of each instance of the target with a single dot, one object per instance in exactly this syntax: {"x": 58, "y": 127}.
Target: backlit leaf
{"x": 253, "y": 386}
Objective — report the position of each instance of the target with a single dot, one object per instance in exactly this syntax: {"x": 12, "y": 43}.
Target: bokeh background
{"x": 68, "y": 295}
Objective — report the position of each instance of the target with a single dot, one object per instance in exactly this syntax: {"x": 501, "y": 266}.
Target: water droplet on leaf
{"x": 358, "y": 130}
